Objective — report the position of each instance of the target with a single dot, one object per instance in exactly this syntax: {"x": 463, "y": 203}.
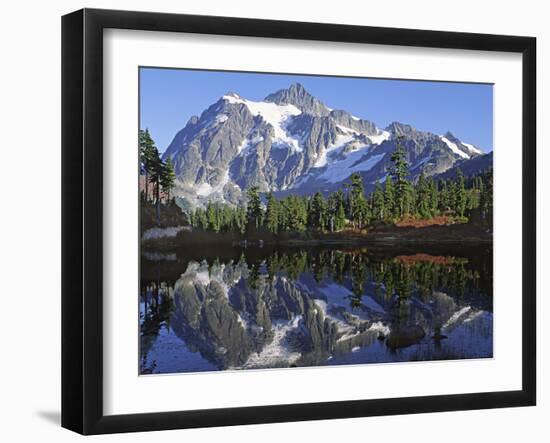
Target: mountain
{"x": 291, "y": 142}
{"x": 469, "y": 167}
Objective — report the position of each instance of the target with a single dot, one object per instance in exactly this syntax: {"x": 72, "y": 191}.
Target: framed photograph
{"x": 269, "y": 221}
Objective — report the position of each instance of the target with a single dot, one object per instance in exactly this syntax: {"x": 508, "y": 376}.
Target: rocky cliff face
{"x": 291, "y": 142}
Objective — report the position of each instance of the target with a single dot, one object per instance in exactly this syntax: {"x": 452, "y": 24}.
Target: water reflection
{"x": 290, "y": 307}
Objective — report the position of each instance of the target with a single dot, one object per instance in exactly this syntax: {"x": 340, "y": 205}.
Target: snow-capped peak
{"x": 291, "y": 141}
{"x": 472, "y": 148}
{"x": 453, "y": 147}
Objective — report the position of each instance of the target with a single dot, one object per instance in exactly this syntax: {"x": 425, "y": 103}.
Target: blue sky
{"x": 169, "y": 97}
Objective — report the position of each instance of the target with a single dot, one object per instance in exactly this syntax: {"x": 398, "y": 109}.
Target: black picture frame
{"x": 82, "y": 218}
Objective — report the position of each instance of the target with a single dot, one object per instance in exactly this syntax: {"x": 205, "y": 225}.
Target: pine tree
{"x": 272, "y": 214}
{"x": 443, "y": 203}
{"x": 408, "y": 199}
{"x": 389, "y": 198}
{"x": 336, "y": 216}
{"x": 155, "y": 173}
{"x": 399, "y": 173}
{"x": 434, "y": 197}
{"x": 423, "y": 200}
{"x": 451, "y": 195}
{"x": 254, "y": 207}
{"x": 486, "y": 198}
{"x": 147, "y": 152}
{"x": 168, "y": 178}
{"x": 240, "y": 219}
{"x": 340, "y": 220}
{"x": 460, "y": 194}
{"x": 378, "y": 204}
{"x": 296, "y": 209}
{"x": 202, "y": 220}
{"x": 357, "y": 202}
{"x": 212, "y": 217}
{"x": 317, "y": 211}
{"x": 332, "y": 207}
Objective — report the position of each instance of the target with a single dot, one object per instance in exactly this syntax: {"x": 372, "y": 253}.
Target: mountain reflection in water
{"x": 278, "y": 308}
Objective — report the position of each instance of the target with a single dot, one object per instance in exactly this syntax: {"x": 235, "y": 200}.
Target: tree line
{"x": 156, "y": 172}
{"x": 351, "y": 207}
{"x": 390, "y": 276}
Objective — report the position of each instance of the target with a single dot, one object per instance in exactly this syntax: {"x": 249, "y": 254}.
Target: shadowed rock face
{"x": 238, "y": 315}
{"x": 292, "y": 142}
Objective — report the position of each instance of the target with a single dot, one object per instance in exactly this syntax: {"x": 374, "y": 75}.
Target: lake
{"x": 229, "y": 308}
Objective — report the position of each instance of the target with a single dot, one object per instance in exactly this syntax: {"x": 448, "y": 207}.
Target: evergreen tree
{"x": 378, "y": 204}
{"x": 434, "y": 197}
{"x": 332, "y": 206}
{"x": 294, "y": 210}
{"x": 451, "y": 195}
{"x": 317, "y": 213}
{"x": 147, "y": 151}
{"x": 460, "y": 194}
{"x": 272, "y": 214}
{"x": 389, "y": 197}
{"x": 336, "y": 215}
{"x": 486, "y": 198}
{"x": 254, "y": 207}
{"x": 155, "y": 173}
{"x": 408, "y": 199}
{"x": 357, "y": 201}
{"x": 228, "y": 216}
{"x": 340, "y": 220}
{"x": 443, "y": 203}
{"x": 168, "y": 178}
{"x": 240, "y": 219}
{"x": 200, "y": 214}
{"x": 399, "y": 173}
{"x": 212, "y": 217}
{"x": 423, "y": 197}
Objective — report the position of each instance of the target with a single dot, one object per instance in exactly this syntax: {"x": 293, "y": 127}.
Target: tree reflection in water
{"x": 295, "y": 307}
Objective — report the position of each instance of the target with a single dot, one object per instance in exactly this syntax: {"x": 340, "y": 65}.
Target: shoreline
{"x": 453, "y": 234}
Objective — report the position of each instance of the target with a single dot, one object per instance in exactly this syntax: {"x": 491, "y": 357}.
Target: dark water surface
{"x": 233, "y": 308}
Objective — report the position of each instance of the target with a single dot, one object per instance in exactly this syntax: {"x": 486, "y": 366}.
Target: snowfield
{"x": 342, "y": 169}
{"x": 453, "y": 147}
{"x": 380, "y": 137}
{"x": 275, "y": 115}
{"x": 472, "y": 148}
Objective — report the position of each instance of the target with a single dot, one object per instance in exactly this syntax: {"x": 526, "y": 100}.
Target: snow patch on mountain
{"x": 248, "y": 144}
{"x": 207, "y": 190}
{"x": 275, "y": 115}
{"x": 221, "y": 118}
{"x": 472, "y": 148}
{"x": 341, "y": 141}
{"x": 453, "y": 147}
{"x": 341, "y": 170}
{"x": 379, "y": 138}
